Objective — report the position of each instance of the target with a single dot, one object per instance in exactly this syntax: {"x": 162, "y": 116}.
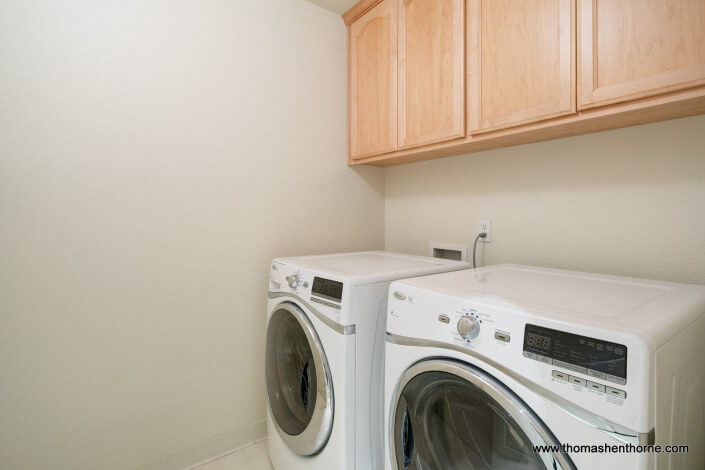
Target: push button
{"x": 501, "y": 336}
{"x": 595, "y": 386}
{"x": 544, "y": 359}
{"x": 560, "y": 375}
{"x": 616, "y": 392}
{"x": 615, "y": 379}
{"x": 576, "y": 381}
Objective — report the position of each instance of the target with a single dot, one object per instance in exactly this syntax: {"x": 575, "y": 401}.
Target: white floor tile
{"x": 213, "y": 465}
{"x": 256, "y": 451}
{"x": 254, "y": 457}
{"x": 234, "y": 461}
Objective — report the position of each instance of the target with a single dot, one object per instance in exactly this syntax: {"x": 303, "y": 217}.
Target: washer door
{"x": 299, "y": 384}
{"x": 449, "y": 415}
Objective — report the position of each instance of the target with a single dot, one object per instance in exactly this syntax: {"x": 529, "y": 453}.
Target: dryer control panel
{"x": 597, "y": 358}
{"x": 600, "y": 370}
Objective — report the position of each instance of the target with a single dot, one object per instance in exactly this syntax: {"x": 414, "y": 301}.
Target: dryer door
{"x": 299, "y": 383}
{"x": 447, "y": 414}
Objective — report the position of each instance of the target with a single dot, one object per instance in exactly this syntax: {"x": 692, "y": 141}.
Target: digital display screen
{"x": 538, "y": 341}
{"x": 590, "y": 353}
{"x": 332, "y": 290}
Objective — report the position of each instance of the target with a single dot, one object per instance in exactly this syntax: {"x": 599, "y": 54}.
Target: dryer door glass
{"x": 442, "y": 420}
{"x": 299, "y": 391}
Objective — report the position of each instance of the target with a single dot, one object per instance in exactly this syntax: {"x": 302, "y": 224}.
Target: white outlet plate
{"x": 485, "y": 225}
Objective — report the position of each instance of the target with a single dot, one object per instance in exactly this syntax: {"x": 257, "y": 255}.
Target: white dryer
{"x": 482, "y": 365}
{"x": 324, "y": 356}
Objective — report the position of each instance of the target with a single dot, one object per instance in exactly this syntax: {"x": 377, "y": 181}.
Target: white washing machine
{"x": 324, "y": 356}
{"x": 482, "y": 365}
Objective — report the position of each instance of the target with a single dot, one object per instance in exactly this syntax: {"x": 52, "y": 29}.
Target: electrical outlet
{"x": 485, "y": 225}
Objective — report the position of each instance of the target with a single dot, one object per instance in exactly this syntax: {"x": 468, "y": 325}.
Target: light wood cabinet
{"x": 536, "y": 70}
{"x": 431, "y": 71}
{"x": 631, "y": 49}
{"x": 521, "y": 62}
{"x": 373, "y": 81}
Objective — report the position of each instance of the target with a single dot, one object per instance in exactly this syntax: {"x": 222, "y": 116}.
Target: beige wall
{"x": 154, "y": 156}
{"x": 603, "y": 202}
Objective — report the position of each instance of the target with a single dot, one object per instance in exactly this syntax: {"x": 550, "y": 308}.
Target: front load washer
{"x": 324, "y": 356}
{"x": 482, "y": 365}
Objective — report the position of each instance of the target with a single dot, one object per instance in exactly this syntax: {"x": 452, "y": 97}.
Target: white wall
{"x": 629, "y": 201}
{"x": 154, "y": 156}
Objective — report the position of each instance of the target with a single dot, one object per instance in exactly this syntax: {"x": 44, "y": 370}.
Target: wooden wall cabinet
{"x": 372, "y": 41}
{"x": 536, "y": 70}
{"x": 431, "y": 71}
{"x": 521, "y": 62}
{"x": 631, "y": 49}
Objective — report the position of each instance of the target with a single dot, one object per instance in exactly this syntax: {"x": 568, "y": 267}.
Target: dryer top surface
{"x": 657, "y": 308}
{"x": 374, "y": 266}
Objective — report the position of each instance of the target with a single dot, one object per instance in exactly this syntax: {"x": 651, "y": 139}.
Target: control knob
{"x": 468, "y": 327}
{"x": 293, "y": 280}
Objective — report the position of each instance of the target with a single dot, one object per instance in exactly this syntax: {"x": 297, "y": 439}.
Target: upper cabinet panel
{"x": 521, "y": 62}
{"x": 373, "y": 81}
{"x": 631, "y": 49}
{"x": 431, "y": 71}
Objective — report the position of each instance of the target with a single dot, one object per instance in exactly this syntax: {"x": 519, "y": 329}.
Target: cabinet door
{"x": 521, "y": 62}
{"x": 431, "y": 71}
{"x": 636, "y": 48}
{"x": 373, "y": 81}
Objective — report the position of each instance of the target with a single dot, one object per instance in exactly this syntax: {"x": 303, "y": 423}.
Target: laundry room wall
{"x": 154, "y": 156}
{"x": 629, "y": 202}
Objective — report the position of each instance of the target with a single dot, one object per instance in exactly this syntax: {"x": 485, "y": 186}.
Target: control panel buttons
{"x": 560, "y": 375}
{"x": 613, "y": 392}
{"x": 468, "y": 327}
{"x": 574, "y": 368}
{"x": 443, "y": 318}
{"x": 326, "y": 303}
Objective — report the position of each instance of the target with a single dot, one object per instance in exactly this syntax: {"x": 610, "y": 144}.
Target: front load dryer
{"x": 483, "y": 365}
{"x": 325, "y": 356}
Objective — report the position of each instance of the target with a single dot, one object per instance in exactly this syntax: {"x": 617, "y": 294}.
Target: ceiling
{"x": 337, "y": 6}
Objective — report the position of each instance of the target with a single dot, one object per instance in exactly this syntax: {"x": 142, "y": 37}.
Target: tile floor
{"x": 254, "y": 457}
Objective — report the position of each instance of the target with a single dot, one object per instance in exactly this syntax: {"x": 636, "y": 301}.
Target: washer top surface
{"x": 373, "y": 266}
{"x": 656, "y": 308}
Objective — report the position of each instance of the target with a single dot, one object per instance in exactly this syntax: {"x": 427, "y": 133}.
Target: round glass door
{"x": 453, "y": 416}
{"x": 299, "y": 386}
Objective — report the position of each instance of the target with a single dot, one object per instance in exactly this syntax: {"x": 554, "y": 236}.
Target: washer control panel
{"x": 324, "y": 294}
